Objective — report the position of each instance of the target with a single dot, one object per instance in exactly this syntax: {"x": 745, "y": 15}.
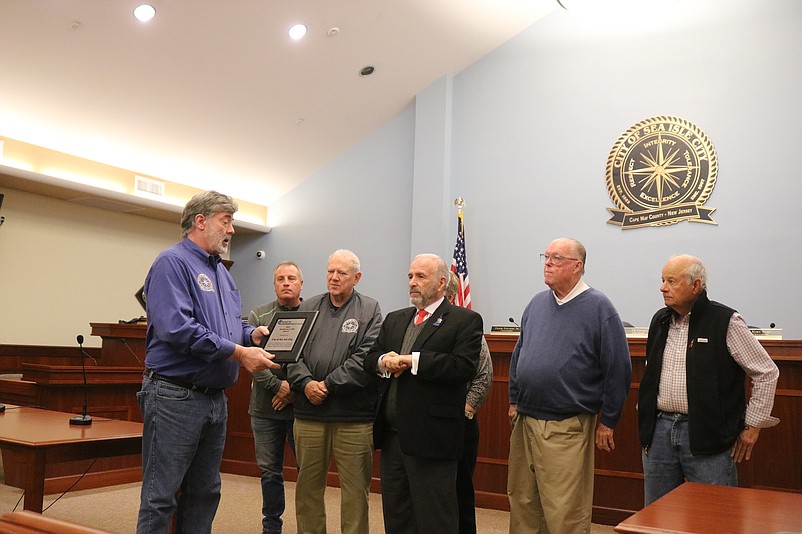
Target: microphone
{"x": 513, "y": 322}
{"x": 772, "y": 325}
{"x": 83, "y": 419}
{"x": 80, "y": 340}
{"x": 127, "y": 346}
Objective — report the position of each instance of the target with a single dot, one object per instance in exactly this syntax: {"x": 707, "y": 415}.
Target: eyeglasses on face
{"x": 555, "y": 259}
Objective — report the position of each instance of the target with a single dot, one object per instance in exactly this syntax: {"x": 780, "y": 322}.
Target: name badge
{"x": 702, "y": 340}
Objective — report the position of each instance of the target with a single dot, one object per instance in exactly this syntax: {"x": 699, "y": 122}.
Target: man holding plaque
{"x": 336, "y": 401}
{"x": 271, "y": 402}
{"x": 196, "y": 343}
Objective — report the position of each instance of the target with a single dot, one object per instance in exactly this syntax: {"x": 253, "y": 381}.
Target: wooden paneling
{"x": 618, "y": 492}
{"x": 13, "y": 356}
{"x": 618, "y": 489}
{"x": 776, "y": 463}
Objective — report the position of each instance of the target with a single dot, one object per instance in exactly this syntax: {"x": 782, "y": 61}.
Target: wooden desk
{"x": 706, "y": 508}
{"x": 38, "y": 437}
{"x": 26, "y": 522}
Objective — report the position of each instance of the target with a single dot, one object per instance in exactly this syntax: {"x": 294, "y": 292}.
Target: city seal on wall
{"x": 661, "y": 171}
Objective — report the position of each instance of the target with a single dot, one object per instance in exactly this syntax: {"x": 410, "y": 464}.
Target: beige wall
{"x": 64, "y": 265}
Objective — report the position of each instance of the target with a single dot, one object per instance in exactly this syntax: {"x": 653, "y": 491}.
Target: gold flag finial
{"x": 459, "y": 202}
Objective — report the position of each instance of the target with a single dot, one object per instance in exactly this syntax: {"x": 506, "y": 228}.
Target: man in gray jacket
{"x": 271, "y": 402}
{"x": 337, "y": 400}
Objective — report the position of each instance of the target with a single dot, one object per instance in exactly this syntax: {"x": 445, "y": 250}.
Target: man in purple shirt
{"x": 196, "y": 343}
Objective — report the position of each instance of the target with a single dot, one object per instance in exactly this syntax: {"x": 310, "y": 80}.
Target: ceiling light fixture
{"x": 297, "y": 32}
{"x": 144, "y": 13}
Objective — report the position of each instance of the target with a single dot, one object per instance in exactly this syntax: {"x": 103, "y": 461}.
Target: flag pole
{"x": 459, "y": 202}
{"x": 459, "y": 264}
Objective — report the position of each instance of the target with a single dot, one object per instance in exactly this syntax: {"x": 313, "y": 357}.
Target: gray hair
{"x": 289, "y": 264}
{"x": 452, "y": 285}
{"x": 696, "y": 270}
{"x": 348, "y": 254}
{"x": 206, "y": 204}
{"x": 579, "y": 248}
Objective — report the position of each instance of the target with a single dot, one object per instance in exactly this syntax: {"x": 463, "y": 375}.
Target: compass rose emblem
{"x": 661, "y": 171}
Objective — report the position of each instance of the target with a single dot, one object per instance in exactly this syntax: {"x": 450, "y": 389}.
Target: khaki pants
{"x": 352, "y": 445}
{"x": 550, "y": 475}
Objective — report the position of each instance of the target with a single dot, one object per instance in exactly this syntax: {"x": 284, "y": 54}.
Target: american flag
{"x": 459, "y": 266}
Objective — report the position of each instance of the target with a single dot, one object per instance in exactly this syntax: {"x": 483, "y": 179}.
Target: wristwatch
{"x": 468, "y": 415}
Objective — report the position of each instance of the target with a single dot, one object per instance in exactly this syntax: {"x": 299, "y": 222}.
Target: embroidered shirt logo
{"x": 205, "y": 282}
{"x": 350, "y": 326}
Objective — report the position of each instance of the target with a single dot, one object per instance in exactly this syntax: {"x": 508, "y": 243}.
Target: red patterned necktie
{"x": 420, "y": 317}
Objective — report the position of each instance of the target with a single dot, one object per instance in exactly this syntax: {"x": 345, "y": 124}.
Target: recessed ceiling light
{"x": 297, "y": 32}
{"x": 333, "y": 31}
{"x": 144, "y": 13}
{"x": 367, "y": 71}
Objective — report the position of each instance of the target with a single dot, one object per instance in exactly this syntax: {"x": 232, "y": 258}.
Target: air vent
{"x": 149, "y": 186}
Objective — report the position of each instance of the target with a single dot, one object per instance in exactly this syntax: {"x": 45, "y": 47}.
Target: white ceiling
{"x": 214, "y": 94}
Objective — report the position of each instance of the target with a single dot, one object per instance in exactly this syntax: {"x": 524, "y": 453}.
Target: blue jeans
{"x": 182, "y": 446}
{"x": 268, "y": 438}
{"x": 669, "y": 462}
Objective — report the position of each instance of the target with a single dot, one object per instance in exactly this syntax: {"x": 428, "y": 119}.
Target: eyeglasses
{"x": 555, "y": 259}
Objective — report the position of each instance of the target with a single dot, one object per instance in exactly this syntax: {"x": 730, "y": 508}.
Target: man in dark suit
{"x": 428, "y": 353}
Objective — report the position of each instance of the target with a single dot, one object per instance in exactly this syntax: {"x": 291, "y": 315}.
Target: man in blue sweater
{"x": 570, "y": 366}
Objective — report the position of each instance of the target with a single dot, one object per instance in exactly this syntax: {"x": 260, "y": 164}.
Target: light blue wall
{"x": 528, "y": 129}
{"x": 361, "y": 202}
{"x": 535, "y": 121}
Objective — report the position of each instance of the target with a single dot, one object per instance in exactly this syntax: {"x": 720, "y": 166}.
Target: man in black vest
{"x": 693, "y": 418}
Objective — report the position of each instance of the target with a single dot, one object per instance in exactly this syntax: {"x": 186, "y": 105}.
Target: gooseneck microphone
{"x": 513, "y": 322}
{"x": 83, "y": 419}
{"x": 127, "y": 346}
